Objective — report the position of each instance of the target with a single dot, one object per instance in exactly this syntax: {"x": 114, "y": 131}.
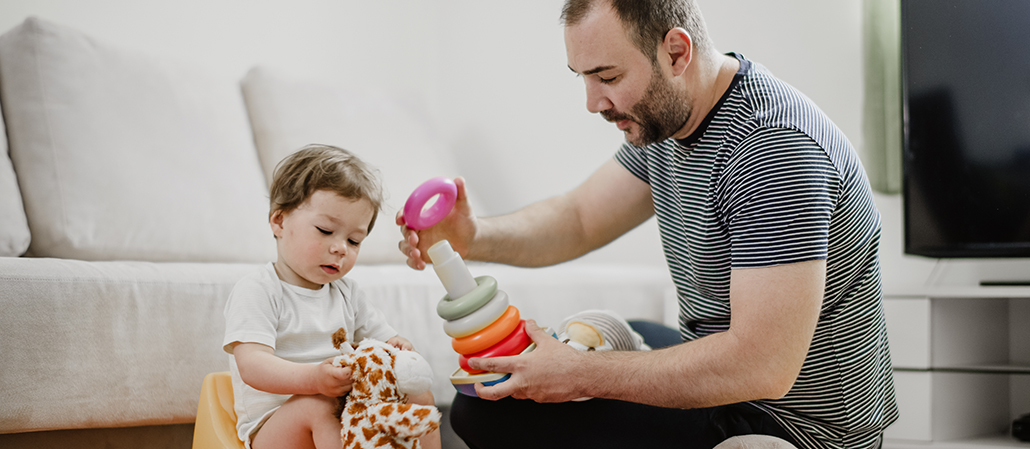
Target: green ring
{"x": 452, "y": 309}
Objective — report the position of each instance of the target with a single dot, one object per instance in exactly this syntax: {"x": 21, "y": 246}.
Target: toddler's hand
{"x": 401, "y": 343}
{"x": 332, "y": 381}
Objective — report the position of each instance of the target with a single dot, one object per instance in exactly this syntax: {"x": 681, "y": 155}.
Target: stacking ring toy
{"x": 414, "y": 214}
{"x": 452, "y": 309}
{"x": 513, "y": 344}
{"x": 489, "y": 335}
{"x": 475, "y": 321}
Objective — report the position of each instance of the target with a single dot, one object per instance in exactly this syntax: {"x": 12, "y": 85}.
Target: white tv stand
{"x": 960, "y": 350}
{"x": 961, "y": 355}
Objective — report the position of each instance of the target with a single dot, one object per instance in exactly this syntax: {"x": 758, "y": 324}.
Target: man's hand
{"x": 458, "y": 227}
{"x": 547, "y": 374}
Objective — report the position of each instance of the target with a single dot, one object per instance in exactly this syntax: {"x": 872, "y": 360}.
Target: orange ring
{"x": 488, "y": 336}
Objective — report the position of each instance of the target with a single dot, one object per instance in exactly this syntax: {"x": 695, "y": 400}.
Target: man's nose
{"x": 597, "y": 101}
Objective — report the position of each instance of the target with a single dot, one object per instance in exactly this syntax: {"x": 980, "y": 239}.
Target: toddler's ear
{"x": 275, "y": 221}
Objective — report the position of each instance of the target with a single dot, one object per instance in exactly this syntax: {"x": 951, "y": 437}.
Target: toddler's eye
{"x": 323, "y": 231}
{"x": 354, "y": 242}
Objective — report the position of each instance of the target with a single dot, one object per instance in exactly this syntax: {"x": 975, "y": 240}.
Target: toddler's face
{"x": 318, "y": 242}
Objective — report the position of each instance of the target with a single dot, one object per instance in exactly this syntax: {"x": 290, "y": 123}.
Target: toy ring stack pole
{"x": 478, "y": 316}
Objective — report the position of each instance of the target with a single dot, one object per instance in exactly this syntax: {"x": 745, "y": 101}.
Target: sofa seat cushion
{"x": 124, "y": 157}
{"x": 115, "y": 344}
{"x": 108, "y": 344}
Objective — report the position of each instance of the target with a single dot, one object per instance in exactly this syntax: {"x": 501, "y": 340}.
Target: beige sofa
{"x": 134, "y": 196}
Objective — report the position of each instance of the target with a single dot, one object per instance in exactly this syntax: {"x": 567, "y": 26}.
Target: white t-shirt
{"x": 297, "y": 323}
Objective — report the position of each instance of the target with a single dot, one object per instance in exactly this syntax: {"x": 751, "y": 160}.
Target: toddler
{"x": 279, "y": 321}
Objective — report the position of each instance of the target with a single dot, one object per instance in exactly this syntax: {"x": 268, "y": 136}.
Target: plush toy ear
{"x": 413, "y": 373}
{"x": 584, "y": 334}
{"x": 405, "y": 420}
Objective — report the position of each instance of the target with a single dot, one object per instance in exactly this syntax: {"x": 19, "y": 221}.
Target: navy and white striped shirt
{"x": 768, "y": 179}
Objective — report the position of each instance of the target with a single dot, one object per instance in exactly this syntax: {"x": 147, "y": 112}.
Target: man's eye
{"x": 324, "y": 231}
{"x": 606, "y": 80}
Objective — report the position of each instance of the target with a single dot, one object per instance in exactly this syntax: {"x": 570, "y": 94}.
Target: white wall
{"x": 510, "y": 100}
{"x": 494, "y": 74}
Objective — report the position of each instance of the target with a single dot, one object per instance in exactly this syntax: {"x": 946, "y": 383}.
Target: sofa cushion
{"x": 394, "y": 135}
{"x": 108, "y": 344}
{"x": 121, "y": 156}
{"x": 14, "y": 227}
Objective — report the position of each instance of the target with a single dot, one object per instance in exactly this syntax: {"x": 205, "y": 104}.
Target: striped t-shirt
{"x": 768, "y": 179}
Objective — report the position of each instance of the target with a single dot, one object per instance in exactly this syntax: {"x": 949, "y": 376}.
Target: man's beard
{"x": 660, "y": 113}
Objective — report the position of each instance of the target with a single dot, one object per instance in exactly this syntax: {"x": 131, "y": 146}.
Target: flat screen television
{"x": 966, "y": 92}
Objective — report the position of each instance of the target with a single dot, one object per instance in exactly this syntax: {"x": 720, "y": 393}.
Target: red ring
{"x": 513, "y": 344}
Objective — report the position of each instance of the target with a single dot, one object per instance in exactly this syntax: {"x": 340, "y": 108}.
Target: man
{"x": 769, "y": 231}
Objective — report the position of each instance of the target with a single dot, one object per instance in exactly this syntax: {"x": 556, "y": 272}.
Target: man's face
{"x": 622, "y": 84}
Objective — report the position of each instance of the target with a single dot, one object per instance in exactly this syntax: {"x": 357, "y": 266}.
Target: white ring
{"x": 478, "y": 319}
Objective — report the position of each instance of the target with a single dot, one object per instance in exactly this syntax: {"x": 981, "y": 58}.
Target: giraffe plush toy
{"x": 375, "y": 414}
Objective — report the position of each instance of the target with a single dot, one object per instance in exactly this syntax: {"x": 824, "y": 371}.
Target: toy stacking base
{"x": 465, "y": 383}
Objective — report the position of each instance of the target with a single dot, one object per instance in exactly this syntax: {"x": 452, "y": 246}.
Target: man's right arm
{"x": 609, "y": 203}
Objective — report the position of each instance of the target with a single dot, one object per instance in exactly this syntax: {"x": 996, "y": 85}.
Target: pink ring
{"x": 415, "y": 217}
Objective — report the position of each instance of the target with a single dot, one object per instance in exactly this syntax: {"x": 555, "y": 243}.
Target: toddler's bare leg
{"x": 430, "y": 440}
{"x": 303, "y": 422}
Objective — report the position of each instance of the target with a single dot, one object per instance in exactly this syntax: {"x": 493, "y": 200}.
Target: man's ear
{"x": 679, "y": 47}
{"x": 275, "y": 221}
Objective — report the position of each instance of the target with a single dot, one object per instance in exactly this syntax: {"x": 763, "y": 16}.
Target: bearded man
{"x": 770, "y": 233}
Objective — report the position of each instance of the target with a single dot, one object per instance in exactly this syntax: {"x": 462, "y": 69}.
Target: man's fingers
{"x": 535, "y": 332}
{"x": 459, "y": 182}
{"x": 493, "y": 364}
{"x": 493, "y": 393}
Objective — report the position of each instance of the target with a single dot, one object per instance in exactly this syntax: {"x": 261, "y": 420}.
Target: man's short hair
{"x": 323, "y": 167}
{"x": 647, "y": 21}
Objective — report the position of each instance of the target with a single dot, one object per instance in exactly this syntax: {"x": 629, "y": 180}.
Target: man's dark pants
{"x": 604, "y": 423}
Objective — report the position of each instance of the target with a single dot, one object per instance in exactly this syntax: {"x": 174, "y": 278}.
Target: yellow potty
{"x": 216, "y": 419}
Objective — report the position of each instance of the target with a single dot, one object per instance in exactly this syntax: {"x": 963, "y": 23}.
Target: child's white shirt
{"x": 297, "y": 323}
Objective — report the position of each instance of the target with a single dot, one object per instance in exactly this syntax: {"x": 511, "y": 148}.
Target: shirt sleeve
{"x": 779, "y": 191}
{"x": 634, "y": 159}
{"x": 370, "y": 322}
{"x": 251, "y": 314}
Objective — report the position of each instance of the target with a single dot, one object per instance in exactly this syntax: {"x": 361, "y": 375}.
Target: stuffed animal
{"x": 374, "y": 414}
{"x": 600, "y": 330}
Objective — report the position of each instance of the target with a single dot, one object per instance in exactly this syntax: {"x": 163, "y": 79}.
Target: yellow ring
{"x": 489, "y": 335}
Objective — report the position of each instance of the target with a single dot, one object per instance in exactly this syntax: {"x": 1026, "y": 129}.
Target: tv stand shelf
{"x": 961, "y": 360}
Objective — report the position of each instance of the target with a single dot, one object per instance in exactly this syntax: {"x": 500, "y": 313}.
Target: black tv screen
{"x": 966, "y": 91}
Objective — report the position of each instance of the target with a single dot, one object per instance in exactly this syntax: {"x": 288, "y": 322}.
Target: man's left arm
{"x": 774, "y": 311}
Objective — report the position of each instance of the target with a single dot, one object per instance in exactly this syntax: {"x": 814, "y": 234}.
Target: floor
{"x": 178, "y": 436}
